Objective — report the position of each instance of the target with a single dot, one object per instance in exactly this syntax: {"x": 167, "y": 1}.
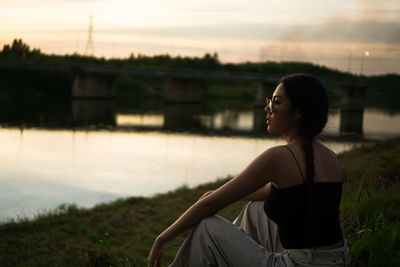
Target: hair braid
{"x": 309, "y": 97}
{"x": 310, "y": 173}
{"x": 309, "y": 158}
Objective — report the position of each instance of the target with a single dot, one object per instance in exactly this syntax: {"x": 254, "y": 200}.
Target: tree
{"x": 19, "y": 50}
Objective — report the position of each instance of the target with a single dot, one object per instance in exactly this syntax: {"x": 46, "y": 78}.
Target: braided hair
{"x": 309, "y": 97}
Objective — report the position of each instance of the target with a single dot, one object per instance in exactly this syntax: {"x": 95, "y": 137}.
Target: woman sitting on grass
{"x": 294, "y": 189}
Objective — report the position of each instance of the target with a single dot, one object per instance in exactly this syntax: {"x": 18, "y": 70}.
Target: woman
{"x": 295, "y": 190}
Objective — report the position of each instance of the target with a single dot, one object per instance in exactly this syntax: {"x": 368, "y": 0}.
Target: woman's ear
{"x": 297, "y": 115}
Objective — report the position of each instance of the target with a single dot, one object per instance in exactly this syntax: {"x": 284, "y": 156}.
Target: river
{"x": 42, "y": 167}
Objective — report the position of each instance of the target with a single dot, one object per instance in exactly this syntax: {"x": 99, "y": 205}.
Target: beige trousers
{"x": 252, "y": 240}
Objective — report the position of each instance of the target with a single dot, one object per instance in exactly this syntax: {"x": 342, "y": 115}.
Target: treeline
{"x": 19, "y": 50}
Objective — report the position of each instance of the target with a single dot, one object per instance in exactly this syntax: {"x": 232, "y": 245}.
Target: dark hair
{"x": 309, "y": 97}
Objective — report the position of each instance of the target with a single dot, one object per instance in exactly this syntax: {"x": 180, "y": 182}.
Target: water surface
{"x": 138, "y": 154}
{"x": 43, "y": 168}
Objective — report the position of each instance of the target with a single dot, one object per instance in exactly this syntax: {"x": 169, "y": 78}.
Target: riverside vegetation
{"x": 122, "y": 232}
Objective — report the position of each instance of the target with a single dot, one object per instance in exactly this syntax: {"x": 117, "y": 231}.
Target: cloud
{"x": 330, "y": 31}
{"x": 346, "y": 31}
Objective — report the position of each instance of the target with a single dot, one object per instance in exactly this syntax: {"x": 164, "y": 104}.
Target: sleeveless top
{"x": 306, "y": 221}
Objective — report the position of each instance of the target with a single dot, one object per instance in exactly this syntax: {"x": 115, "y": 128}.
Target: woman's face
{"x": 283, "y": 118}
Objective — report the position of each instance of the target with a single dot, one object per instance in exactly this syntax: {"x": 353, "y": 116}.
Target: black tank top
{"x": 305, "y": 224}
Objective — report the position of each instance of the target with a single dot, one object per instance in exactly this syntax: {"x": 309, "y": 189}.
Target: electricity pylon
{"x": 89, "y": 45}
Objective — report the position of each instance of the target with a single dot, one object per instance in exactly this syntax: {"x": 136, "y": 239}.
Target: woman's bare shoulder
{"x": 276, "y": 149}
{"x": 277, "y": 152}
{"x": 327, "y": 163}
{"x": 272, "y": 159}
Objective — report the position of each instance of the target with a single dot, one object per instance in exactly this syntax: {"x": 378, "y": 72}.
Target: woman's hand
{"x": 156, "y": 253}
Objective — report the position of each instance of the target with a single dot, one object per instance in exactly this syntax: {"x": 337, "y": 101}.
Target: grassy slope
{"x": 370, "y": 208}
{"x": 122, "y": 232}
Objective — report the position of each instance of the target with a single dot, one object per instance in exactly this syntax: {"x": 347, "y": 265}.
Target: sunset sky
{"x": 332, "y": 33}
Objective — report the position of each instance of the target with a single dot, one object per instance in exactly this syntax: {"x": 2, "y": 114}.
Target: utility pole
{"x": 76, "y": 44}
{"x": 350, "y": 58}
{"x": 366, "y": 54}
{"x": 262, "y": 54}
{"x": 113, "y": 49}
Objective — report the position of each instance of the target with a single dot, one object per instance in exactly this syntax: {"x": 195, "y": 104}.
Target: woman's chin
{"x": 272, "y": 130}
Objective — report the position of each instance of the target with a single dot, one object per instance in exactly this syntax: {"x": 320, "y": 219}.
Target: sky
{"x": 332, "y": 33}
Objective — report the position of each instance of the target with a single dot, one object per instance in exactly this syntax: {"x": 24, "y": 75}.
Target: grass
{"x": 122, "y": 232}
{"x": 370, "y": 209}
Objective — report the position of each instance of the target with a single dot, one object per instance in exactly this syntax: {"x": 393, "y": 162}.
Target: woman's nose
{"x": 267, "y": 109}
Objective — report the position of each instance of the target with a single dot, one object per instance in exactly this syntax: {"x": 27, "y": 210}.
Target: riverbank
{"x": 121, "y": 233}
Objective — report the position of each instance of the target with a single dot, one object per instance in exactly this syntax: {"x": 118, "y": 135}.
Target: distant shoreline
{"x": 228, "y": 133}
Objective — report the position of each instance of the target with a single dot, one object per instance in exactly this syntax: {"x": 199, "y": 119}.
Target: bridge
{"x": 185, "y": 86}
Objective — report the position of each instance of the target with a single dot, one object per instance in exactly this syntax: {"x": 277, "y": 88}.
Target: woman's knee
{"x": 255, "y": 207}
{"x": 257, "y": 204}
{"x": 213, "y": 225}
{"x": 209, "y": 222}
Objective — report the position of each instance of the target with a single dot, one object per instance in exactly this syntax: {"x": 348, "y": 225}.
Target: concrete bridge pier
{"x": 259, "y": 121}
{"x": 88, "y": 85}
{"x": 352, "y": 109}
{"x": 178, "y": 116}
{"x": 183, "y": 90}
{"x": 263, "y": 90}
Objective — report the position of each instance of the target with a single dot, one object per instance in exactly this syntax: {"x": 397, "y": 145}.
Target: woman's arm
{"x": 259, "y": 195}
{"x": 256, "y": 175}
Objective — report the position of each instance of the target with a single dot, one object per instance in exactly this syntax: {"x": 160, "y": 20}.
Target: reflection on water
{"x": 191, "y": 119}
{"x": 216, "y": 118}
{"x": 376, "y": 124}
{"x": 43, "y": 168}
{"x": 140, "y": 120}
{"x": 93, "y": 112}
{"x": 259, "y": 123}
{"x": 182, "y": 116}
